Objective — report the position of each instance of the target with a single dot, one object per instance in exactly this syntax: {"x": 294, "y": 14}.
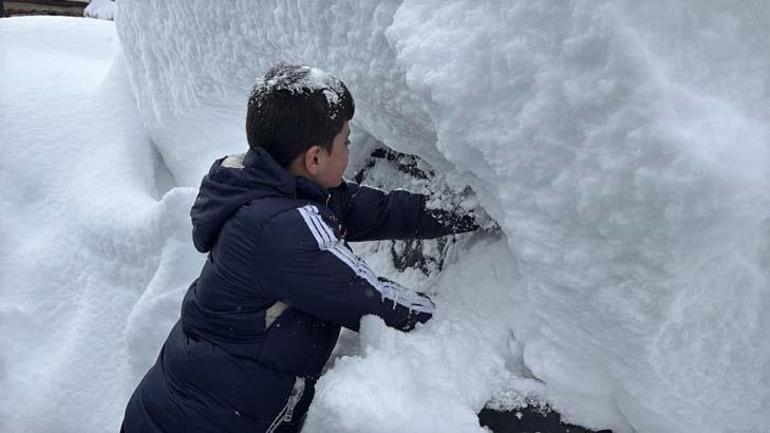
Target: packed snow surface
{"x": 622, "y": 147}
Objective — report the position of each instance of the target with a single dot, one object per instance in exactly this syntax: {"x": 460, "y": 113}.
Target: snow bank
{"x": 92, "y": 247}
{"x": 622, "y": 146}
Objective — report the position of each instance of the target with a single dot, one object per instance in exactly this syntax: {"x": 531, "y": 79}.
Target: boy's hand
{"x": 475, "y": 219}
{"x": 457, "y": 223}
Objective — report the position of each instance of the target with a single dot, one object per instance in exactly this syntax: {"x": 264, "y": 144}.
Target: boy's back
{"x": 261, "y": 320}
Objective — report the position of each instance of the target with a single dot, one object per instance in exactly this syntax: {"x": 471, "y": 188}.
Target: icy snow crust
{"x": 622, "y": 146}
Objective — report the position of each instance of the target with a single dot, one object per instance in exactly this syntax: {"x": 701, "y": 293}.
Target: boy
{"x": 261, "y": 320}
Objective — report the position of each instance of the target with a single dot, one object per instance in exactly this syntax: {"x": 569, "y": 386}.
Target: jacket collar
{"x": 308, "y": 190}
{"x": 293, "y": 186}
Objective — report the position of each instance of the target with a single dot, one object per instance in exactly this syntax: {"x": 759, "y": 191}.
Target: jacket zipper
{"x": 287, "y": 413}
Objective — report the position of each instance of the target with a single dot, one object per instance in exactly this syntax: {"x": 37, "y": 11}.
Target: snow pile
{"x": 622, "y": 147}
{"x": 92, "y": 247}
{"x": 438, "y": 378}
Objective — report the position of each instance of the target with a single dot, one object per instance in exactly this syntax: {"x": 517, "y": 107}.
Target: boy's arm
{"x": 372, "y": 214}
{"x": 309, "y": 267}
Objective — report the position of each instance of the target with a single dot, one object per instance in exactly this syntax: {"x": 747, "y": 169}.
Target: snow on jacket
{"x": 261, "y": 320}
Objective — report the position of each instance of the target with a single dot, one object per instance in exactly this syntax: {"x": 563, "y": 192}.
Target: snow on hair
{"x": 300, "y": 80}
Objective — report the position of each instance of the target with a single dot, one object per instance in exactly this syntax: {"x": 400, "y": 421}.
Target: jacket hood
{"x": 230, "y": 183}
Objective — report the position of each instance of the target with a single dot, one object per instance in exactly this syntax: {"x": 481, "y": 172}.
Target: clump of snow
{"x": 438, "y": 377}
{"x": 300, "y": 80}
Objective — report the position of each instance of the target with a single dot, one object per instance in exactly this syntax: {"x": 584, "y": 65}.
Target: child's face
{"x": 332, "y": 164}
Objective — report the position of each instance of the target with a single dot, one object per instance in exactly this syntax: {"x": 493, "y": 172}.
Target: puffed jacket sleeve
{"x": 372, "y": 214}
{"x": 310, "y": 267}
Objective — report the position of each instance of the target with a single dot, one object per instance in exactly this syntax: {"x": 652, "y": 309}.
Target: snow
{"x": 91, "y": 247}
{"x": 439, "y": 377}
{"x": 101, "y": 9}
{"x": 302, "y": 81}
{"x": 621, "y": 146}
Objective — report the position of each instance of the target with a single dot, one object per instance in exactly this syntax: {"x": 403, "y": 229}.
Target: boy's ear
{"x": 312, "y": 159}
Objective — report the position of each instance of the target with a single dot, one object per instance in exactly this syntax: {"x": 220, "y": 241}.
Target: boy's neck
{"x": 297, "y": 170}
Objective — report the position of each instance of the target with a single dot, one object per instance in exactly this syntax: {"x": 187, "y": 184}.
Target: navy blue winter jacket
{"x": 261, "y": 320}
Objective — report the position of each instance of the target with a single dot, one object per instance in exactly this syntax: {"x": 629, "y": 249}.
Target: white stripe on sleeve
{"x": 328, "y": 241}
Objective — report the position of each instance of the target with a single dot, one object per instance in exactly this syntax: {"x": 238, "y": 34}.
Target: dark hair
{"x": 295, "y": 107}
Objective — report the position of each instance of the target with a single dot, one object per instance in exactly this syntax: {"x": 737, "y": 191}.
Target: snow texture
{"x": 622, "y": 147}
{"x": 96, "y": 254}
{"x": 302, "y": 81}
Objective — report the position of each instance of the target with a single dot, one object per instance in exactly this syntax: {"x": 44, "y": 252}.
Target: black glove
{"x": 456, "y": 223}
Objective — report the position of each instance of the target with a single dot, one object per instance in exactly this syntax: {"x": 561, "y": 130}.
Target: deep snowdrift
{"x": 86, "y": 237}
{"x": 622, "y": 147}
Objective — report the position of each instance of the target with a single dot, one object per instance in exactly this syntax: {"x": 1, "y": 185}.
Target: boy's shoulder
{"x": 262, "y": 210}
{"x": 285, "y": 216}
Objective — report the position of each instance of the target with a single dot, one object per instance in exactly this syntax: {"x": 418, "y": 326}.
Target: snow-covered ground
{"x": 622, "y": 147}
